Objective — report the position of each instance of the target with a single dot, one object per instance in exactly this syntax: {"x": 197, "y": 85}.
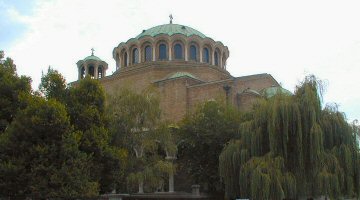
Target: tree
{"x": 86, "y": 106}
{"x": 12, "y": 91}
{"x": 134, "y": 119}
{"x": 204, "y": 135}
{"x": 309, "y": 151}
{"x": 40, "y": 157}
{"x": 53, "y": 85}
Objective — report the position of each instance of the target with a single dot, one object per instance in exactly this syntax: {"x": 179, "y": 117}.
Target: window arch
{"x": 82, "y": 72}
{"x": 216, "y": 58}
{"x": 162, "y": 52}
{"x": 206, "y": 57}
{"x": 125, "y": 59}
{"x": 135, "y": 56}
{"x": 193, "y": 53}
{"x": 100, "y": 71}
{"x": 148, "y": 53}
{"x": 178, "y": 51}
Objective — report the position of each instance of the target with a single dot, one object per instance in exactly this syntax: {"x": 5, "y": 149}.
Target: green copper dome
{"x": 92, "y": 57}
{"x": 170, "y": 29}
{"x": 272, "y": 91}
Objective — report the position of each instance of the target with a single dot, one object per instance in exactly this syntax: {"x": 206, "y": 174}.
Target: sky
{"x": 286, "y": 38}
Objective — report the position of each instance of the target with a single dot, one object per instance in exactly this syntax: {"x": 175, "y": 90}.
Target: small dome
{"x": 272, "y": 91}
{"x": 92, "y": 57}
{"x": 170, "y": 29}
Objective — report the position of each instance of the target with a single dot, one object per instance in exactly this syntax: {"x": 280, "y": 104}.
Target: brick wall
{"x": 179, "y": 96}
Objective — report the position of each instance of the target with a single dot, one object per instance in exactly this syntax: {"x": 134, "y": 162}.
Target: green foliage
{"x": 86, "y": 104}
{"x": 232, "y": 157}
{"x": 41, "y": 149}
{"x": 12, "y": 90}
{"x": 86, "y": 107}
{"x": 53, "y": 85}
{"x": 135, "y": 125}
{"x": 204, "y": 134}
{"x": 50, "y": 150}
{"x": 293, "y": 149}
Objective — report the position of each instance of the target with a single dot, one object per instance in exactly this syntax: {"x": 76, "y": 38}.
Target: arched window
{"x": 178, "y": 51}
{"x": 135, "y": 56}
{"x": 216, "y": 57}
{"x": 100, "y": 72}
{"x": 193, "y": 53}
{"x": 206, "y": 58}
{"x": 148, "y": 53}
{"x": 125, "y": 59}
{"x": 91, "y": 71}
{"x": 82, "y": 72}
{"x": 162, "y": 52}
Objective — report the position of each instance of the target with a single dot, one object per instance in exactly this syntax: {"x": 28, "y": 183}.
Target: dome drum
{"x": 170, "y": 42}
{"x": 92, "y": 66}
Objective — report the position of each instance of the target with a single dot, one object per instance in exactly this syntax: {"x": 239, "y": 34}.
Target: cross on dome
{"x": 171, "y": 18}
{"x": 92, "y": 51}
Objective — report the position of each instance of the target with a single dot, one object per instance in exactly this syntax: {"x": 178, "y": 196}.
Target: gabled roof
{"x": 177, "y": 75}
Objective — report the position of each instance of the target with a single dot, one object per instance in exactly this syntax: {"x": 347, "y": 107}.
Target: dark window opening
{"x": 148, "y": 53}
{"x": 125, "y": 59}
{"x": 206, "y": 58}
{"x": 135, "y": 56}
{"x": 178, "y": 51}
{"x": 100, "y": 72}
{"x": 216, "y": 59}
{"x": 91, "y": 71}
{"x": 162, "y": 52}
{"x": 193, "y": 53}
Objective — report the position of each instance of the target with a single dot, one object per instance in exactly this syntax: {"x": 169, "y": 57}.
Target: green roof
{"x": 92, "y": 57}
{"x": 170, "y": 29}
{"x": 272, "y": 91}
{"x": 252, "y": 91}
{"x": 181, "y": 74}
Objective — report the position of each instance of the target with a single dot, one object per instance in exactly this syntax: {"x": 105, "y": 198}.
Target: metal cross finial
{"x": 171, "y": 18}
{"x": 92, "y": 51}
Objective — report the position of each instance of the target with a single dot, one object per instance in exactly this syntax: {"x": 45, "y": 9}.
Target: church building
{"x": 186, "y": 66}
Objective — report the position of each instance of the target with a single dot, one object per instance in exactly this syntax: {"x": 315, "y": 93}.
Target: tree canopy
{"x": 72, "y": 141}
{"x": 289, "y": 147}
{"x": 53, "y": 85}
{"x": 13, "y": 88}
{"x": 204, "y": 134}
{"x": 42, "y": 163}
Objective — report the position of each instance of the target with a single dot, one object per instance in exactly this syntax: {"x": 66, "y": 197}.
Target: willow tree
{"x": 317, "y": 148}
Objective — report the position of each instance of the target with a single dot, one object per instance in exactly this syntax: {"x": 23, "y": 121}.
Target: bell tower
{"x": 92, "y": 66}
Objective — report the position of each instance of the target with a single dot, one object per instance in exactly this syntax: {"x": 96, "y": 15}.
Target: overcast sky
{"x": 287, "y": 39}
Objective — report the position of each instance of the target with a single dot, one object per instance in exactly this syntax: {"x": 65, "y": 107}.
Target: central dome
{"x": 171, "y": 43}
{"x": 170, "y": 29}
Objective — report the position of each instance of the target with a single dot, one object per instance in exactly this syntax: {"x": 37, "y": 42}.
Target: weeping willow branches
{"x": 290, "y": 148}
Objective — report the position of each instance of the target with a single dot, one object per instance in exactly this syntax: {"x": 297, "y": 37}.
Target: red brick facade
{"x": 180, "y": 95}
